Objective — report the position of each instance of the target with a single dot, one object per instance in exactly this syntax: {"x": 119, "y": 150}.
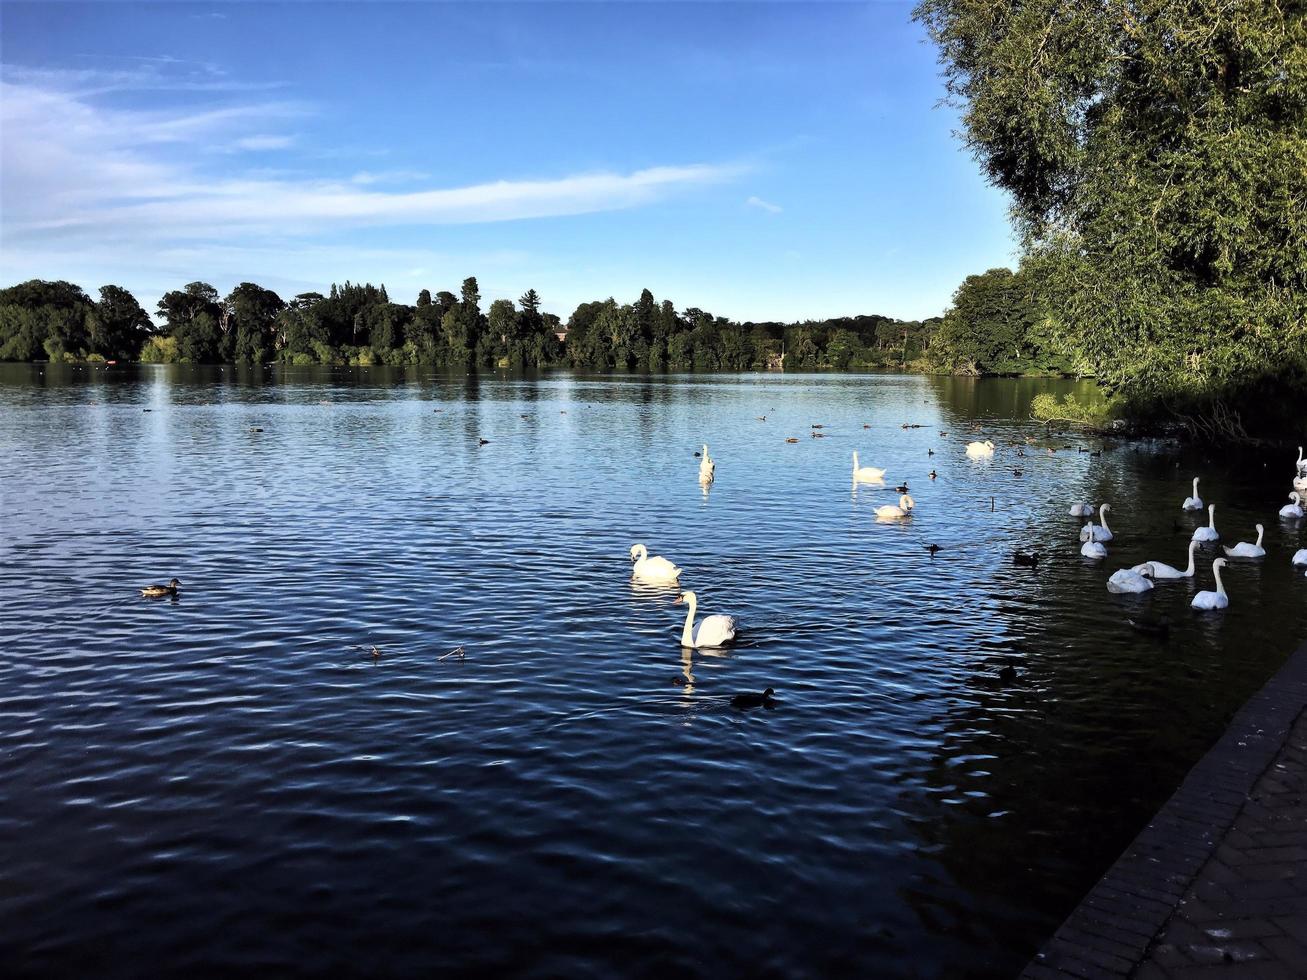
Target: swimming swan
{"x": 655, "y": 569}
{"x": 980, "y": 450}
{"x": 1299, "y": 558}
{"x": 866, "y": 474}
{"x": 1302, "y": 463}
{"x": 1127, "y": 580}
{"x": 1081, "y": 510}
{"x": 1217, "y": 599}
{"x": 1161, "y": 570}
{"x": 1092, "y": 549}
{"x": 1294, "y": 509}
{"x": 1245, "y": 550}
{"x": 713, "y": 631}
{"x": 1208, "y": 532}
{"x": 1195, "y": 502}
{"x": 1103, "y": 533}
{"x": 904, "y": 509}
{"x": 707, "y": 468}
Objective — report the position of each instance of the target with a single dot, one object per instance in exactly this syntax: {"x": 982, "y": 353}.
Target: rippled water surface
{"x": 232, "y": 781}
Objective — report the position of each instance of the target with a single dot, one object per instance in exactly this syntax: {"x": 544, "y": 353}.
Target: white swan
{"x": 1294, "y": 509}
{"x": 1081, "y": 510}
{"x": 707, "y": 468}
{"x": 1245, "y": 550}
{"x": 1299, "y": 559}
{"x": 866, "y": 474}
{"x": 713, "y": 631}
{"x": 904, "y": 509}
{"x": 1213, "y": 600}
{"x": 1208, "y": 532}
{"x": 1195, "y": 502}
{"x": 1302, "y": 462}
{"x": 655, "y": 569}
{"x": 1300, "y": 484}
{"x": 980, "y": 450}
{"x": 1092, "y": 549}
{"x": 1161, "y": 570}
{"x": 1130, "y": 580}
{"x": 1103, "y": 533}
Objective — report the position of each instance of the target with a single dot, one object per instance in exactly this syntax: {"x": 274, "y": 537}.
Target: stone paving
{"x": 1216, "y": 884}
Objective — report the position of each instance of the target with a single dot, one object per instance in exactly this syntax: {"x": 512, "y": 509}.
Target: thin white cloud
{"x": 757, "y": 202}
{"x": 75, "y": 169}
{"x": 267, "y": 141}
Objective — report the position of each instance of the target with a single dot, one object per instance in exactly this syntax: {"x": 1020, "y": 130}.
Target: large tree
{"x": 1156, "y": 154}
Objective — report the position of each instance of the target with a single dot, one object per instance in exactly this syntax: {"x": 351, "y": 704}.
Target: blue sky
{"x": 762, "y": 161}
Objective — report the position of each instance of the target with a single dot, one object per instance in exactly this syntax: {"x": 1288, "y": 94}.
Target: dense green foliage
{"x": 998, "y": 325}
{"x": 358, "y": 324}
{"x": 59, "y": 322}
{"x": 1156, "y": 154}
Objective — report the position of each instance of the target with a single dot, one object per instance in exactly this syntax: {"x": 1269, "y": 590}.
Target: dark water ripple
{"x": 232, "y": 782}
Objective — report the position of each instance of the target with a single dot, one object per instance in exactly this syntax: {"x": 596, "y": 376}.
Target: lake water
{"x": 231, "y": 781}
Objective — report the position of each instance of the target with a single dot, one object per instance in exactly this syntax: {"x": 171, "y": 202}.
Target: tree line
{"x": 1156, "y": 158}
{"x": 993, "y": 327}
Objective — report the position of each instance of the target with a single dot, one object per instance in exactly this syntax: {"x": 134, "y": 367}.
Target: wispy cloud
{"x": 757, "y": 202}
{"x": 264, "y": 142}
{"x": 77, "y": 169}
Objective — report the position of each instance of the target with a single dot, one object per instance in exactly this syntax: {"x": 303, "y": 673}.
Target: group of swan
{"x": 712, "y": 631}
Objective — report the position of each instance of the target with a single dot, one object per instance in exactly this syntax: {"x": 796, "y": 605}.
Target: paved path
{"x": 1216, "y": 884}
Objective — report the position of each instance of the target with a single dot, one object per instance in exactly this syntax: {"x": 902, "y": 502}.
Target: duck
{"x": 1103, "y": 533}
{"x": 1195, "y": 502}
{"x": 1161, "y": 570}
{"x": 890, "y": 512}
{"x": 791, "y": 439}
{"x": 933, "y": 474}
{"x": 712, "y": 631}
{"x": 1081, "y": 510}
{"x": 902, "y": 487}
{"x": 980, "y": 450}
{"x": 1208, "y": 531}
{"x": 1152, "y": 627}
{"x": 1091, "y": 548}
{"x": 746, "y": 701}
{"x": 482, "y": 442}
{"x": 655, "y": 569}
{"x": 155, "y": 591}
{"x": 1030, "y": 560}
{"x": 1245, "y": 550}
{"x": 866, "y": 474}
{"x": 934, "y": 549}
{"x": 1294, "y": 509}
{"x": 1213, "y": 600}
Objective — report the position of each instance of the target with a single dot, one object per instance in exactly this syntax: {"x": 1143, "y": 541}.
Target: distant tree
{"x": 118, "y": 325}
{"x": 250, "y": 313}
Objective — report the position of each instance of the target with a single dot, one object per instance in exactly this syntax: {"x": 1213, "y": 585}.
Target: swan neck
{"x": 1260, "y": 532}
{"x": 1193, "y": 546}
{"x": 1102, "y": 517}
{"x": 687, "y": 634}
{"x": 1211, "y": 517}
{"x": 1220, "y": 586}
{"x": 1195, "y": 486}
{"x": 855, "y": 459}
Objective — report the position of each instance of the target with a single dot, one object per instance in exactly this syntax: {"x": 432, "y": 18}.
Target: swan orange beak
{"x": 679, "y": 600}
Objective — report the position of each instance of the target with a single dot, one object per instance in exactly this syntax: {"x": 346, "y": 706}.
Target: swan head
{"x": 906, "y": 502}
{"x": 1260, "y": 529}
{"x": 1106, "y": 507}
{"x": 638, "y": 551}
{"x": 988, "y": 444}
{"x": 1295, "y": 498}
{"x": 1218, "y": 564}
{"x": 685, "y": 597}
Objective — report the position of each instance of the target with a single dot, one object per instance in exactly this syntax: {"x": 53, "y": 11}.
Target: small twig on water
{"x": 457, "y": 651}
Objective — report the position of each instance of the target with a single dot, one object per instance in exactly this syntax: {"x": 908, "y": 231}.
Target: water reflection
{"x": 976, "y": 738}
